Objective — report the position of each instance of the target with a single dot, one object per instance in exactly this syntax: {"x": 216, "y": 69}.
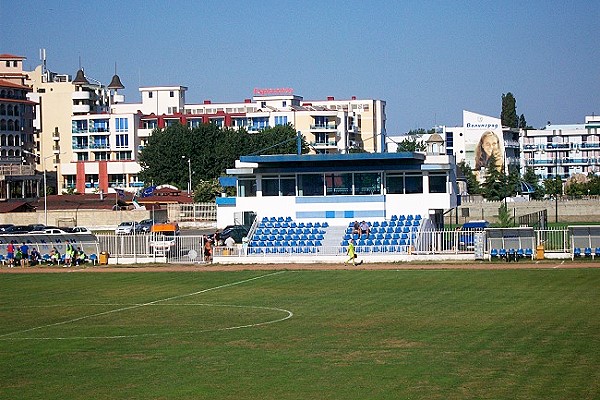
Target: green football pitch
{"x": 394, "y": 334}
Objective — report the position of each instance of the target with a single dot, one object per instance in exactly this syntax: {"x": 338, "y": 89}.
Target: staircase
{"x": 334, "y": 236}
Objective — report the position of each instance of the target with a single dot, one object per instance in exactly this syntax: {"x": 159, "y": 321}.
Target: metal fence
{"x": 144, "y": 248}
{"x": 138, "y": 248}
{"x": 197, "y": 212}
{"x": 190, "y": 249}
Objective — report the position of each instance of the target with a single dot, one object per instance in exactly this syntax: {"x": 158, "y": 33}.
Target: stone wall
{"x": 98, "y": 219}
{"x": 581, "y": 210}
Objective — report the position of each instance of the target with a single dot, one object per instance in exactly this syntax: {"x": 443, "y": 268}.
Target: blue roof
{"x": 291, "y": 158}
{"x": 336, "y": 162}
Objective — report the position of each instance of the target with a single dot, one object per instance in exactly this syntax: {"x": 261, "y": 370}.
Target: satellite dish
{"x": 192, "y": 254}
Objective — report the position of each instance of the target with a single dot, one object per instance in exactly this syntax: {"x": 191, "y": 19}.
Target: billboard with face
{"x": 483, "y": 138}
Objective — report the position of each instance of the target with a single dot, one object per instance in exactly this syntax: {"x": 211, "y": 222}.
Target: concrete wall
{"x": 582, "y": 211}
{"x": 97, "y": 219}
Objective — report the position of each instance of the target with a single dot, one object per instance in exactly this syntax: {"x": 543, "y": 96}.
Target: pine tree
{"x": 509, "y": 116}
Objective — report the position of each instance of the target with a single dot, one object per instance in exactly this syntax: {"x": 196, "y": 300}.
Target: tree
{"x": 211, "y": 151}
{"x": 522, "y": 122}
{"x": 497, "y": 185}
{"x": 411, "y": 144}
{"x": 509, "y": 111}
{"x": 473, "y": 186}
{"x": 553, "y": 186}
{"x": 505, "y": 220}
{"x": 207, "y": 190}
{"x": 531, "y": 178}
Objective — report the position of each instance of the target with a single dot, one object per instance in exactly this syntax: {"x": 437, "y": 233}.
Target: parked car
{"x": 5, "y": 227}
{"x": 36, "y": 227}
{"x": 79, "y": 229}
{"x": 17, "y": 229}
{"x": 144, "y": 225}
{"x": 237, "y": 232}
{"x": 126, "y": 228}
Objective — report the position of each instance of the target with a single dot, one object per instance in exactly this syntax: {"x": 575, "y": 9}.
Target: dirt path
{"x": 546, "y": 264}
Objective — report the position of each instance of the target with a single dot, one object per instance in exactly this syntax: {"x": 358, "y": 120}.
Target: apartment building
{"x": 562, "y": 150}
{"x": 18, "y": 179}
{"x": 90, "y": 138}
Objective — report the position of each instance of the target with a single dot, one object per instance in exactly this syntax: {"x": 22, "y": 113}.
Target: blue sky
{"x": 428, "y": 60}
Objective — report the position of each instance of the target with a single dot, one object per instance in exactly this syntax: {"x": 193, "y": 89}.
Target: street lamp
{"x": 45, "y": 181}
{"x": 189, "y": 160}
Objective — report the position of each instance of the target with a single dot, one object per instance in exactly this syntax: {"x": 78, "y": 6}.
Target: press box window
{"x": 437, "y": 183}
{"x": 369, "y": 183}
{"x": 413, "y": 184}
{"x": 310, "y": 185}
{"x": 246, "y": 188}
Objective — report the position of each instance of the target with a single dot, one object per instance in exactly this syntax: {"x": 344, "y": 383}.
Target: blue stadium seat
{"x": 597, "y": 252}
{"x": 587, "y": 252}
{"x": 528, "y": 253}
{"x": 394, "y": 217}
{"x": 577, "y": 252}
{"x": 502, "y": 253}
{"x": 494, "y": 253}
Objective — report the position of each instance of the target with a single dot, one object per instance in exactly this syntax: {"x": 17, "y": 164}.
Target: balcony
{"x": 81, "y": 109}
{"x": 530, "y": 147}
{"x": 323, "y": 127}
{"x": 557, "y": 146}
{"x": 100, "y": 146}
{"x": 330, "y": 144}
{"x": 80, "y": 95}
{"x": 549, "y": 162}
{"x": 257, "y": 128}
{"x": 589, "y": 145}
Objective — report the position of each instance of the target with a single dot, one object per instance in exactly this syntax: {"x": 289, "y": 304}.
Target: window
{"x": 70, "y": 180}
{"x": 413, "y": 183}
{"x": 437, "y": 183}
{"x": 149, "y": 95}
{"x": 281, "y": 120}
{"x": 310, "y": 185}
{"x": 394, "y": 184}
{"x": 79, "y": 126}
{"x": 122, "y": 124}
{"x": 404, "y": 184}
{"x": 101, "y": 156}
{"x": 171, "y": 94}
{"x": 287, "y": 186}
{"x": 82, "y": 157}
{"x": 270, "y": 186}
{"x": 194, "y": 122}
{"x": 122, "y": 140}
{"x": 246, "y": 187}
{"x": 367, "y": 183}
{"x": 124, "y": 155}
{"x": 284, "y": 103}
{"x": 338, "y": 184}
{"x": 150, "y": 124}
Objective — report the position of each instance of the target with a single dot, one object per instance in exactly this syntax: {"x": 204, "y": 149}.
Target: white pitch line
{"x": 288, "y": 316}
{"x": 137, "y": 305}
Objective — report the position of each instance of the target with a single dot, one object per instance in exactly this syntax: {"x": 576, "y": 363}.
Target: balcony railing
{"x": 590, "y": 145}
{"x": 16, "y": 169}
{"x": 99, "y": 146}
{"x": 557, "y": 146}
{"x": 327, "y": 127}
